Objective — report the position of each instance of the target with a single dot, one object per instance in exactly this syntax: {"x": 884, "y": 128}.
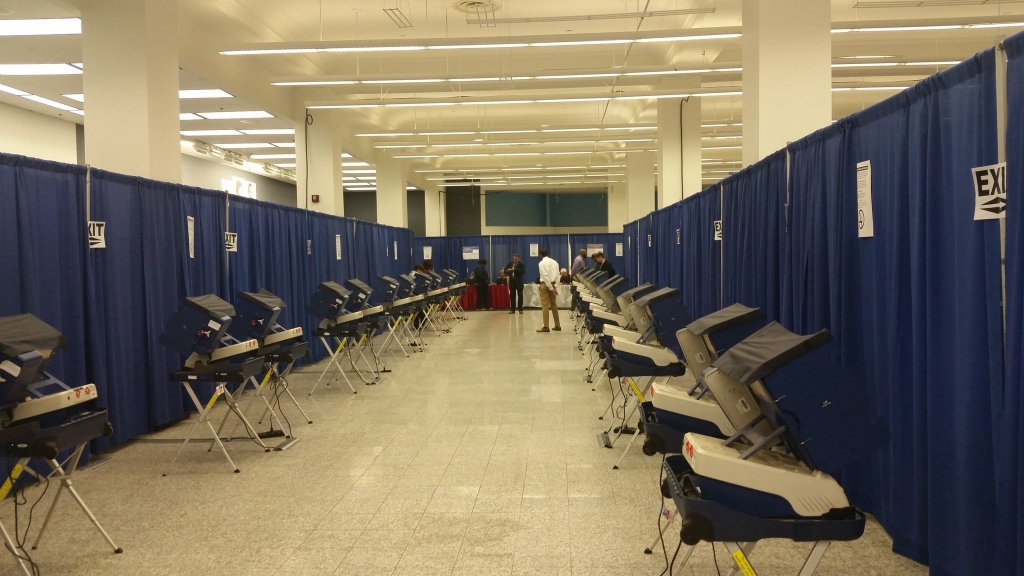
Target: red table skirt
{"x": 499, "y": 297}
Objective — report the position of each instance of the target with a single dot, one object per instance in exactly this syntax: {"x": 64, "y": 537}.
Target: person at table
{"x": 514, "y": 271}
{"x": 565, "y": 278}
{"x": 603, "y": 265}
{"x": 548, "y": 290}
{"x": 579, "y": 263}
{"x": 482, "y": 280}
{"x": 501, "y": 280}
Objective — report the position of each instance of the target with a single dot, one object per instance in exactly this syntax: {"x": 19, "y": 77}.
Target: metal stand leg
{"x": 811, "y": 564}
{"x": 12, "y": 546}
{"x": 65, "y": 482}
{"x": 334, "y": 354}
{"x": 204, "y": 413}
{"x": 740, "y": 563}
{"x": 11, "y": 543}
{"x": 233, "y": 407}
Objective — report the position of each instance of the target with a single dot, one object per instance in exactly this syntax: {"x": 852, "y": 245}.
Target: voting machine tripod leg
{"x": 233, "y": 407}
{"x": 393, "y": 335}
{"x": 281, "y": 382}
{"x": 11, "y": 543}
{"x": 611, "y": 404}
{"x": 259, "y": 390}
{"x": 334, "y": 354}
{"x": 738, "y": 552}
{"x": 65, "y": 483}
{"x": 204, "y": 413}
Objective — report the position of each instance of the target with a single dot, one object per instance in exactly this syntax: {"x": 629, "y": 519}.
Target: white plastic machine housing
{"x": 673, "y": 399}
{"x": 810, "y": 493}
{"x": 52, "y": 402}
{"x": 282, "y": 336}
{"x": 621, "y": 333}
{"x": 660, "y": 356}
{"x": 604, "y": 314}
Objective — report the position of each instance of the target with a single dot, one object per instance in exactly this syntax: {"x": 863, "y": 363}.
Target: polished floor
{"x": 475, "y": 458}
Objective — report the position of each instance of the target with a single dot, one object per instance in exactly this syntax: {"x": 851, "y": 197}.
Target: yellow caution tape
{"x": 743, "y": 563}
{"x": 9, "y": 483}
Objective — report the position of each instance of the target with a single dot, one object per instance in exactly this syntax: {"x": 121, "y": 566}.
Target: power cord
{"x": 661, "y": 534}
{"x": 20, "y": 540}
{"x": 714, "y": 554}
{"x": 671, "y": 565}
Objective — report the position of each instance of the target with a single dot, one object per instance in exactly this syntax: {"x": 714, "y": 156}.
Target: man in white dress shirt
{"x": 549, "y": 275}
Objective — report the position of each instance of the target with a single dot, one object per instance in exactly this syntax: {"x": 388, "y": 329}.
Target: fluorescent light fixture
{"x": 385, "y": 104}
{"x": 270, "y": 156}
{"x": 723, "y": 147}
{"x": 446, "y": 133}
{"x": 213, "y": 93}
{"x": 288, "y": 165}
{"x": 188, "y": 116}
{"x": 721, "y": 137}
{"x": 38, "y": 69}
{"x": 720, "y": 125}
{"x": 346, "y": 155}
{"x": 893, "y": 64}
{"x": 14, "y": 91}
{"x": 862, "y": 57}
{"x": 868, "y": 88}
{"x": 284, "y": 144}
{"x": 407, "y": 157}
{"x": 210, "y": 132}
{"x": 247, "y": 145}
{"x": 508, "y": 132}
{"x": 388, "y": 134}
{"x": 363, "y": 189}
{"x": 269, "y": 131}
{"x": 49, "y": 102}
{"x": 240, "y": 115}
{"x": 41, "y": 27}
{"x": 354, "y": 164}
{"x": 411, "y": 188}
{"x": 928, "y": 27}
{"x": 360, "y": 171}
{"x": 75, "y": 97}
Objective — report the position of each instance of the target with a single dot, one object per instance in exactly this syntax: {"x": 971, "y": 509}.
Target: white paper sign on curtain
{"x": 309, "y": 247}
{"x": 618, "y": 248}
{"x": 395, "y": 251}
{"x": 648, "y": 240}
{"x": 191, "y": 237}
{"x": 337, "y": 246}
{"x": 231, "y": 241}
{"x": 678, "y": 236}
{"x": 990, "y": 192}
{"x": 865, "y": 214}
{"x": 428, "y": 252}
{"x": 534, "y": 250}
{"x": 718, "y": 230}
{"x": 97, "y": 234}
{"x": 594, "y": 249}
{"x": 470, "y": 252}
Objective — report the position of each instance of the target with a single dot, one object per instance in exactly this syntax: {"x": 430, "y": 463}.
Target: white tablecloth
{"x": 531, "y": 296}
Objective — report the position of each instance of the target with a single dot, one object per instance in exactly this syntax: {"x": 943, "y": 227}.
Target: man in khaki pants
{"x": 548, "y": 289}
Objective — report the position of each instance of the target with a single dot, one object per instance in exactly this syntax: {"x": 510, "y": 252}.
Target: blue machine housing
{"x": 257, "y": 314}
{"x": 329, "y": 301}
{"x": 198, "y": 325}
{"x": 386, "y": 290}
{"x": 416, "y": 282}
{"x": 668, "y": 314}
{"x": 359, "y": 295}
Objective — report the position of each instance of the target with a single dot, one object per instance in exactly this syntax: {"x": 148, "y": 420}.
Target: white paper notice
{"x": 97, "y": 234}
{"x": 534, "y": 250}
{"x": 618, "y": 248}
{"x": 718, "y": 230}
{"x": 594, "y": 249}
{"x": 865, "y": 216}
{"x": 231, "y": 241}
{"x": 191, "y": 237}
{"x": 678, "y": 236}
{"x": 428, "y": 252}
{"x": 337, "y": 246}
{"x": 395, "y": 251}
{"x": 990, "y": 192}
{"x": 470, "y": 252}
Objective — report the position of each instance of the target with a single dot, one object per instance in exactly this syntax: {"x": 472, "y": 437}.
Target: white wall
{"x": 206, "y": 174}
{"x": 30, "y": 134}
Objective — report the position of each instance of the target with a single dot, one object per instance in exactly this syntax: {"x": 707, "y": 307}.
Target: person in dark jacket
{"x": 603, "y": 265}
{"x": 482, "y": 279}
{"x": 514, "y": 272}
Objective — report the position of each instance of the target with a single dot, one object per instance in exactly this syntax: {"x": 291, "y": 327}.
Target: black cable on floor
{"x": 714, "y": 554}
{"x": 676, "y": 553}
{"x": 661, "y": 533}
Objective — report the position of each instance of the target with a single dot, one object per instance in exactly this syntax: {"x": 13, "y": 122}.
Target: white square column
{"x": 640, "y": 183}
{"x": 130, "y": 82}
{"x": 392, "y": 197}
{"x": 679, "y": 168}
{"x": 787, "y": 73}
{"x": 318, "y": 163}
{"x": 433, "y": 210}
{"x": 618, "y": 207}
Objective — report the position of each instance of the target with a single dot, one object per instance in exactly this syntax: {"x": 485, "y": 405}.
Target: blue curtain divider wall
{"x": 111, "y": 304}
{"x": 1010, "y": 457}
{"x": 915, "y": 309}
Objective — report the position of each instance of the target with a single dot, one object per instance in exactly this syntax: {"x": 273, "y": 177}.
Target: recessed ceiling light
{"x": 270, "y": 156}
{"x": 49, "y": 102}
{"x": 38, "y": 69}
{"x": 40, "y": 27}
{"x": 285, "y": 165}
{"x": 247, "y": 145}
{"x": 269, "y": 131}
{"x": 284, "y": 144}
{"x": 13, "y": 91}
{"x": 181, "y": 116}
{"x": 214, "y": 93}
{"x": 239, "y": 115}
{"x": 210, "y": 133}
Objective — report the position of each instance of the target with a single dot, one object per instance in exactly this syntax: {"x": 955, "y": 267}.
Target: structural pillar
{"x": 130, "y": 82}
{"x": 433, "y": 210}
{"x": 787, "y": 74}
{"x": 392, "y": 196}
{"x": 618, "y": 207}
{"x": 318, "y": 163}
{"x": 640, "y": 184}
{"x": 679, "y": 167}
